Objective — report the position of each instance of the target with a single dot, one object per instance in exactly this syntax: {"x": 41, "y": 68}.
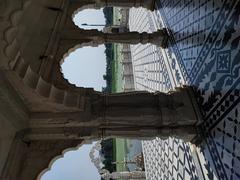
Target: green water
{"x": 125, "y": 149}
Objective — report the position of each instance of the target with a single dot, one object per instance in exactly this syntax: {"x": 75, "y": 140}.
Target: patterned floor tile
{"x": 203, "y": 51}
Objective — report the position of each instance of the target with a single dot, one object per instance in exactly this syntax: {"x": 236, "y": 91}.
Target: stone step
{"x": 56, "y": 95}
{"x": 31, "y": 78}
{"x": 12, "y": 50}
{"x": 20, "y": 67}
{"x": 70, "y": 99}
{"x": 48, "y": 90}
{"x": 43, "y": 88}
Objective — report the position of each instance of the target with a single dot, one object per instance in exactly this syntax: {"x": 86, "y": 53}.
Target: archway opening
{"x": 120, "y": 76}
{"x": 85, "y": 67}
{"x": 90, "y": 19}
{"x": 93, "y": 162}
{"x": 74, "y": 164}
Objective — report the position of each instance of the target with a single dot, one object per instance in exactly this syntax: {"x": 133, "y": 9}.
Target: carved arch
{"x": 65, "y": 51}
{"x": 55, "y": 90}
{"x": 71, "y": 147}
{"x": 12, "y": 58}
{"x": 68, "y": 52}
{"x": 57, "y": 157}
{"x": 70, "y": 98}
{"x": 76, "y": 7}
{"x": 84, "y": 7}
{"x": 12, "y": 12}
{"x": 73, "y": 37}
{"x": 74, "y": 48}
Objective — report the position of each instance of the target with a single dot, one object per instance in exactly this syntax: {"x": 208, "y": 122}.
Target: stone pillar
{"x": 145, "y": 115}
{"x": 148, "y": 4}
{"x": 158, "y": 38}
{"x": 138, "y": 115}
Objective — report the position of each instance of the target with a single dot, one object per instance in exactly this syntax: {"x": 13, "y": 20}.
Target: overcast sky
{"x": 75, "y": 165}
{"x": 85, "y": 68}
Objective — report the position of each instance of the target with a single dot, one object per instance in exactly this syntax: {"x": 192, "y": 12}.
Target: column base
{"x": 149, "y": 4}
{"x": 198, "y": 137}
{"x": 186, "y": 133}
{"x": 160, "y": 38}
{"x": 165, "y": 39}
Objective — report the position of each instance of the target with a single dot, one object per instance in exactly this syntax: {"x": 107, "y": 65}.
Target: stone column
{"x": 138, "y": 115}
{"x": 145, "y": 115}
{"x": 158, "y": 38}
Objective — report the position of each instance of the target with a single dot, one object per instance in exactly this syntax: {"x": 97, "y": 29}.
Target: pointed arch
{"x": 74, "y": 48}
{"x": 76, "y": 7}
{"x": 85, "y": 19}
{"x": 84, "y": 7}
{"x": 57, "y": 157}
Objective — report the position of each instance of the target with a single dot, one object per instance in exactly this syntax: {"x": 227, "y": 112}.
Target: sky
{"x": 85, "y": 67}
{"x": 75, "y": 165}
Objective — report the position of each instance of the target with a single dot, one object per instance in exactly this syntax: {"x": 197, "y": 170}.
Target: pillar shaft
{"x": 158, "y": 38}
{"x": 139, "y": 115}
{"x": 147, "y": 115}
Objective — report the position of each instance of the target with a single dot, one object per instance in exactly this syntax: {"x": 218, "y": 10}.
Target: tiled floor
{"x": 204, "y": 51}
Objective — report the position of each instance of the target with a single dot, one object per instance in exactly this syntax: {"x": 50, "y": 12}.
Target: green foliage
{"x": 108, "y": 14}
{"x": 107, "y": 152}
{"x": 109, "y": 59}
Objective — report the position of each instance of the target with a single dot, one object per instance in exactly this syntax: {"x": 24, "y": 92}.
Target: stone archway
{"x": 59, "y": 156}
{"x": 60, "y": 115}
{"x": 71, "y": 36}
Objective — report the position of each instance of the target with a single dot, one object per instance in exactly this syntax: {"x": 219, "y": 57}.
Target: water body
{"x": 133, "y": 148}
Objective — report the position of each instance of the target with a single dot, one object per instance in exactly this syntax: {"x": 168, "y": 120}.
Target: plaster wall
{"x": 7, "y": 132}
{"x": 13, "y": 118}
